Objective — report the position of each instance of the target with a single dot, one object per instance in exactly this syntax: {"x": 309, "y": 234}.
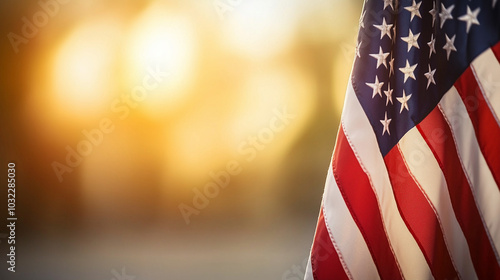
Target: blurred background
{"x": 174, "y": 139}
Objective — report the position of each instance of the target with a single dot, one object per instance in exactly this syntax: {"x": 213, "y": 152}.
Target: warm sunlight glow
{"x": 211, "y": 136}
{"x": 270, "y": 90}
{"x": 162, "y": 41}
{"x": 262, "y": 28}
{"x": 83, "y": 73}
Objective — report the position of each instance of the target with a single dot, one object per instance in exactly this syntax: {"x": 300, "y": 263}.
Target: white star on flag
{"x": 385, "y": 29}
{"x": 381, "y": 57}
{"x": 414, "y": 10}
{"x": 433, "y": 13}
{"x": 356, "y": 49}
{"x": 445, "y": 13}
{"x": 408, "y": 70}
{"x": 411, "y": 40}
{"x": 388, "y": 94}
{"x": 449, "y": 46}
{"x": 430, "y": 76}
{"x": 388, "y": 3}
{"x": 376, "y": 86}
{"x": 470, "y": 18}
{"x": 432, "y": 45}
{"x": 404, "y": 101}
{"x": 385, "y": 122}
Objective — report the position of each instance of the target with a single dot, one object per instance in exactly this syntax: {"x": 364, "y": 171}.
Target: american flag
{"x": 413, "y": 190}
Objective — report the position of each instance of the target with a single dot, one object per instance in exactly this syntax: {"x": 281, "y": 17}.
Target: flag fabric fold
{"x": 413, "y": 189}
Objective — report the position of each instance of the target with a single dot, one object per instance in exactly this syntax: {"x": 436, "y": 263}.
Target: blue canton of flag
{"x": 428, "y": 41}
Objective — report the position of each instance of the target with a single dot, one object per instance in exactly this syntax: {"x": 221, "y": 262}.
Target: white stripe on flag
{"x": 308, "y": 275}
{"x": 426, "y": 172}
{"x": 364, "y": 143}
{"x": 487, "y": 71}
{"x": 475, "y": 167}
{"x": 354, "y": 253}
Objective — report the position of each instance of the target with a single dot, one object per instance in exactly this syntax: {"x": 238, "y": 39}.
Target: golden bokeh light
{"x": 253, "y": 29}
{"x": 210, "y": 136}
{"x": 161, "y": 39}
{"x": 119, "y": 112}
{"x": 83, "y": 72}
{"x": 270, "y": 89}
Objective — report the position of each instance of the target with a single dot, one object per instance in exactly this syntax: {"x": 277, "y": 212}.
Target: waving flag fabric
{"x": 413, "y": 190}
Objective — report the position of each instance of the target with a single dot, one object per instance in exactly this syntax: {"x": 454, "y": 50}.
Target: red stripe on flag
{"x": 485, "y": 126}
{"x": 353, "y": 181}
{"x": 438, "y": 136}
{"x": 496, "y": 50}
{"x": 325, "y": 261}
{"x": 419, "y": 216}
